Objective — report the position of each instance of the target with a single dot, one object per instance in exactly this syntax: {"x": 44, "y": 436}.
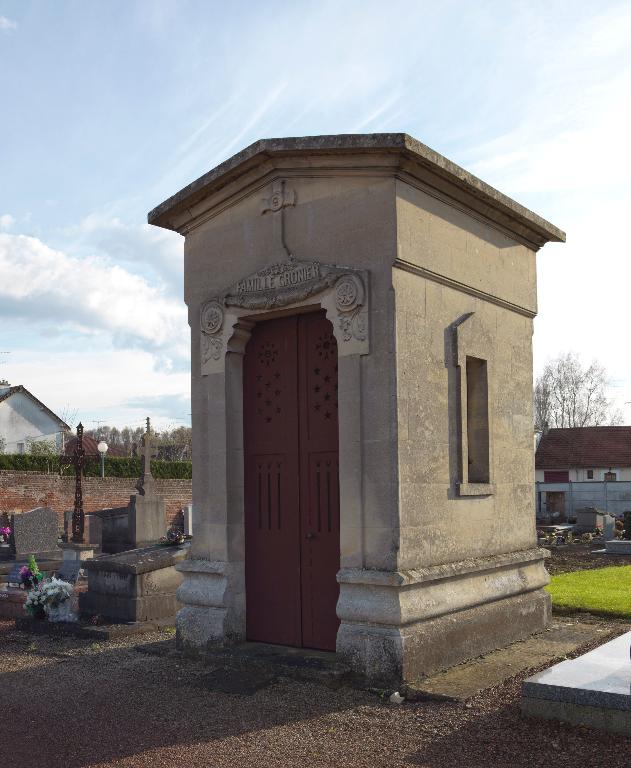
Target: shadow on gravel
{"x": 80, "y": 706}
{"x": 503, "y": 738}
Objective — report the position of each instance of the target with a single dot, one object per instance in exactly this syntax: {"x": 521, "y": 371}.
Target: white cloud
{"x": 90, "y": 294}
{"x": 118, "y": 386}
{"x": 7, "y": 24}
{"x": 569, "y": 159}
{"x": 6, "y": 221}
{"x": 154, "y": 252}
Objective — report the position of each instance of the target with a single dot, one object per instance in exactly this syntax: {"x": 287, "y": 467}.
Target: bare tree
{"x": 171, "y": 445}
{"x": 569, "y": 395}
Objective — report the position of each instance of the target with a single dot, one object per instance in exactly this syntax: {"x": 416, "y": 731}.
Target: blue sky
{"x": 110, "y": 107}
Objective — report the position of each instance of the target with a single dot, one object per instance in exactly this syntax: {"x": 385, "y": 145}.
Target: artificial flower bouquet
{"x": 173, "y": 538}
{"x": 30, "y": 574}
{"x": 5, "y": 533}
{"x": 51, "y": 598}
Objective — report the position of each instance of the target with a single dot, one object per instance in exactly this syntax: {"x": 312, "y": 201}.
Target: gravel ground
{"x": 581, "y": 557}
{"x": 70, "y": 703}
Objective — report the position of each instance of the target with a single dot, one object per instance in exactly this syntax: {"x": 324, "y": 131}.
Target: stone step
{"x": 469, "y": 678}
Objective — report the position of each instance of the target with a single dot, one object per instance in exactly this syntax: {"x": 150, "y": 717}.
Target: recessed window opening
{"x": 477, "y": 421}
{"x": 590, "y": 474}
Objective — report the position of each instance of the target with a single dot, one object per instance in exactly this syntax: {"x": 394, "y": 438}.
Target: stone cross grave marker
{"x": 146, "y": 482}
{"x": 35, "y": 533}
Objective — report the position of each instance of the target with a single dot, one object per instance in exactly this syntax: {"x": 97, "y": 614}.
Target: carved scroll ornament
{"x": 292, "y": 282}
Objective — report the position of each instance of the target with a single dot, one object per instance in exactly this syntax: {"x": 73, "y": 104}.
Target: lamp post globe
{"x": 102, "y": 449}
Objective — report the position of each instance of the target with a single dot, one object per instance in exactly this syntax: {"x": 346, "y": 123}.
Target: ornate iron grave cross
{"x": 77, "y": 460}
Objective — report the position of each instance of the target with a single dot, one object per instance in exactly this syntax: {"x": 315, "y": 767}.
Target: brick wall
{"x": 21, "y": 491}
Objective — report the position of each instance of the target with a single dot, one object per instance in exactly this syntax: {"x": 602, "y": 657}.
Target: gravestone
{"x": 14, "y": 574}
{"x": 136, "y": 586}
{"x": 36, "y": 533}
{"x": 93, "y": 531}
{"x": 69, "y": 571}
{"x": 609, "y": 527}
{"x": 187, "y": 512}
{"x": 589, "y": 519}
{"x": 143, "y": 521}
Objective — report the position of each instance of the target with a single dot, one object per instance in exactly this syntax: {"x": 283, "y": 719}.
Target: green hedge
{"x": 115, "y": 466}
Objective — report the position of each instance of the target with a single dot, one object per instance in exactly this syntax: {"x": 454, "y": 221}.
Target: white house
{"x": 23, "y": 419}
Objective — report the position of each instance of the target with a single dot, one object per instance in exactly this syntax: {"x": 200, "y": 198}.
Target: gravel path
{"x": 73, "y": 703}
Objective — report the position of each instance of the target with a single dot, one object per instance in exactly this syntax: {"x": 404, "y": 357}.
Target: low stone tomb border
{"x": 592, "y": 690}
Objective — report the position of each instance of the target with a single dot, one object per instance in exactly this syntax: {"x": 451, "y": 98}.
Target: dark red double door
{"x": 292, "y": 516}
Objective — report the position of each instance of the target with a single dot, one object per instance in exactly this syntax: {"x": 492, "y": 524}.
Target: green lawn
{"x": 602, "y": 591}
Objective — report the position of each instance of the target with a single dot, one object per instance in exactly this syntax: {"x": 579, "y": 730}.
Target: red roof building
{"x": 90, "y": 447}
{"x": 584, "y": 453}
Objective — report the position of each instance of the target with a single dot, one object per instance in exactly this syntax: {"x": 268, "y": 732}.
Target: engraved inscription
{"x": 280, "y": 284}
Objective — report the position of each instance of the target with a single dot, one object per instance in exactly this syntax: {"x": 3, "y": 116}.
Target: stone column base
{"x": 398, "y": 627}
{"x": 213, "y": 595}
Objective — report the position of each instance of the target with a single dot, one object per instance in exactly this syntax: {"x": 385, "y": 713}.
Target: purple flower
{"x": 6, "y": 531}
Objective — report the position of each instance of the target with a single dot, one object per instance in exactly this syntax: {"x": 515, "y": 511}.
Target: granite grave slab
{"x": 592, "y": 690}
{"x": 36, "y": 533}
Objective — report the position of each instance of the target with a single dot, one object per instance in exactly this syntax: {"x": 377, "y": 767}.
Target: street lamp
{"x": 102, "y": 449}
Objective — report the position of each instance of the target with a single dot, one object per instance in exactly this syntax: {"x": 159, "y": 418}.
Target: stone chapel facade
{"x": 361, "y": 321}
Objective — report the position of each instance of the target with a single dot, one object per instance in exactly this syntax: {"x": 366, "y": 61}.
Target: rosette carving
{"x": 211, "y": 318}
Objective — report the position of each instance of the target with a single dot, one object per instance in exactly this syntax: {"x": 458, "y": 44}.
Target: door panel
{"x": 272, "y": 524}
{"x": 319, "y": 487}
{"x": 292, "y": 482}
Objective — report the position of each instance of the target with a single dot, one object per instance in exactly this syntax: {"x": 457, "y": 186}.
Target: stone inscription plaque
{"x": 281, "y": 284}
{"x": 35, "y": 532}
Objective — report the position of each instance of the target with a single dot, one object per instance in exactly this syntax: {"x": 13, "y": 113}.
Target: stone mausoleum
{"x": 361, "y": 318}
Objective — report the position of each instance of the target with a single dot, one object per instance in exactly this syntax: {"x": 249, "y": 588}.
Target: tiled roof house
{"x": 584, "y": 453}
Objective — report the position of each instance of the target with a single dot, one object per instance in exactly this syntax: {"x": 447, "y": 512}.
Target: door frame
{"x": 290, "y": 545}
{"x": 219, "y": 498}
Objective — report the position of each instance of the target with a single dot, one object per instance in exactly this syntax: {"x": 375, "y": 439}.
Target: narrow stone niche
{"x": 477, "y": 421}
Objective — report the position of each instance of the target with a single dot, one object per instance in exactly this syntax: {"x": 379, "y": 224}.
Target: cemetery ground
{"x": 131, "y": 702}
{"x": 135, "y": 702}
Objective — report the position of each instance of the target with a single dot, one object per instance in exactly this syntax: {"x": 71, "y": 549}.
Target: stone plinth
{"x": 12, "y": 603}
{"x": 592, "y": 690}
{"x": 72, "y": 551}
{"x": 134, "y": 586}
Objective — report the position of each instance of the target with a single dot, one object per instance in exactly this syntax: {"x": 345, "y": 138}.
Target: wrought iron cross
{"x": 78, "y": 461}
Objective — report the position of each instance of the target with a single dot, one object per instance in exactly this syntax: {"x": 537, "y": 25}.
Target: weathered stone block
{"x": 134, "y": 586}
